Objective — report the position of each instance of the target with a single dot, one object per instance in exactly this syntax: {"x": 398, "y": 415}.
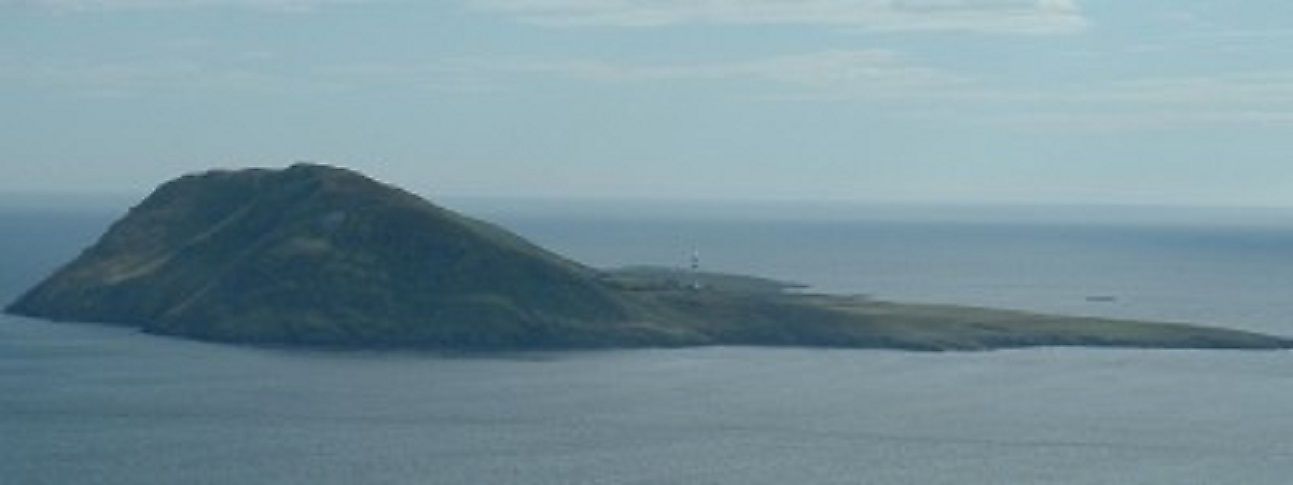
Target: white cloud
{"x": 1255, "y": 99}
{"x": 869, "y": 76}
{"x": 441, "y": 77}
{"x": 998, "y": 16}
{"x": 834, "y": 72}
{"x": 1142, "y": 120}
{"x": 1233, "y": 91}
{"x": 136, "y": 78}
{"x": 99, "y": 5}
{"x": 1247, "y": 89}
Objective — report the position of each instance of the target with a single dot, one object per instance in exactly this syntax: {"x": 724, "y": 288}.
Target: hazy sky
{"x": 1114, "y": 101}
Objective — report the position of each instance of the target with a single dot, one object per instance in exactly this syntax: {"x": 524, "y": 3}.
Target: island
{"x": 316, "y": 255}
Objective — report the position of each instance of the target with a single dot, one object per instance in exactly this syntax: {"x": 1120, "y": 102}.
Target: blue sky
{"x": 1050, "y": 101}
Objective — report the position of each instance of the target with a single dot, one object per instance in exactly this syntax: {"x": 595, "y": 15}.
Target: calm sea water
{"x": 93, "y": 404}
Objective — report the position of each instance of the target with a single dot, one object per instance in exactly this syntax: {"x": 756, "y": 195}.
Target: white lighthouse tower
{"x": 695, "y": 270}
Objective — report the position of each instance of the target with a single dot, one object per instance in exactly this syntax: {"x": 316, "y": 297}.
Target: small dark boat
{"x": 1101, "y": 299}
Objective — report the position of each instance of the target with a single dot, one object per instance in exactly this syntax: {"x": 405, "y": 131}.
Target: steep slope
{"x": 321, "y": 255}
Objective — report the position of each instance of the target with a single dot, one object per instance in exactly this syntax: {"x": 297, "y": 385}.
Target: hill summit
{"x": 318, "y": 255}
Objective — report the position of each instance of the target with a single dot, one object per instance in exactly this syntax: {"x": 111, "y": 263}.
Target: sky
{"x": 1156, "y": 102}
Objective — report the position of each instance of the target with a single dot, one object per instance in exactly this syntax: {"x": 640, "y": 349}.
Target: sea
{"x": 95, "y": 404}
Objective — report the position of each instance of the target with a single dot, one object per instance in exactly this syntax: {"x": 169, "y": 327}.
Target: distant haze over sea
{"x": 766, "y": 209}
{"x": 839, "y": 210}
